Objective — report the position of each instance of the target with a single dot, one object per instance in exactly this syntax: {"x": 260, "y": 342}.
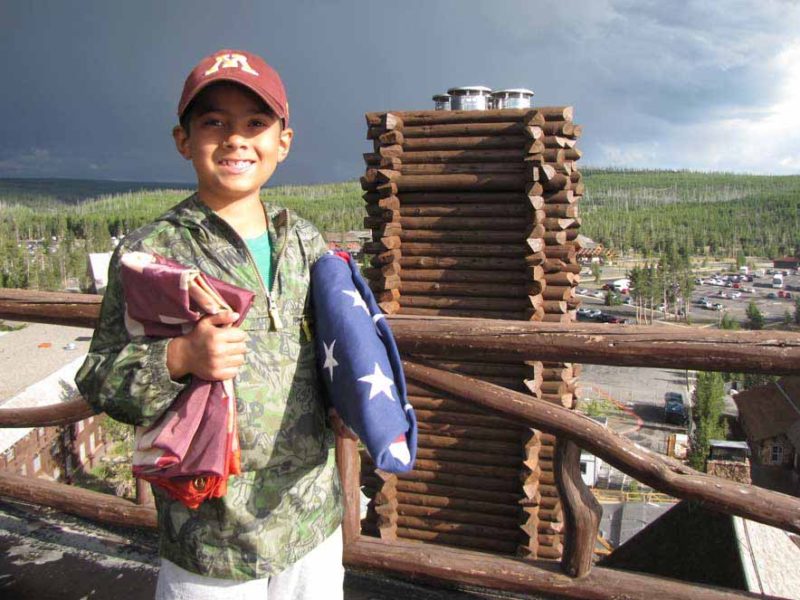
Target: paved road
{"x": 639, "y": 392}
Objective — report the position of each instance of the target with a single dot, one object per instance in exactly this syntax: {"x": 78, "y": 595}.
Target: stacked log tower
{"x": 474, "y": 214}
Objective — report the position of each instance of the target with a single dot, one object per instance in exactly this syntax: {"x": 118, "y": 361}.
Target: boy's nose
{"x": 235, "y": 140}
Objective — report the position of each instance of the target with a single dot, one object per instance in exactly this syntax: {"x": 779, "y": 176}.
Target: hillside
{"x": 719, "y": 214}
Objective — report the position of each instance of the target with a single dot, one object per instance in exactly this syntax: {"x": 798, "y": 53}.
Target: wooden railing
{"x": 421, "y": 337}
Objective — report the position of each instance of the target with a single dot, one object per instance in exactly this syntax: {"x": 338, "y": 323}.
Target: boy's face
{"x": 233, "y": 142}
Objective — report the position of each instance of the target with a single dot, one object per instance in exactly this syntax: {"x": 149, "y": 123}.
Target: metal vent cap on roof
{"x": 512, "y": 98}
{"x": 471, "y": 97}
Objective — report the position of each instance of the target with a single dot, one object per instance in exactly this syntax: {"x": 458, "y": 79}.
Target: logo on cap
{"x": 231, "y": 61}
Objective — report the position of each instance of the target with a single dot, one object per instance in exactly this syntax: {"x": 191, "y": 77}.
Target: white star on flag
{"x": 379, "y": 383}
{"x": 330, "y": 362}
{"x": 357, "y": 299}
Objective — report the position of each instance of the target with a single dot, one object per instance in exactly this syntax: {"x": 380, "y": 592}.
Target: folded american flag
{"x": 360, "y": 365}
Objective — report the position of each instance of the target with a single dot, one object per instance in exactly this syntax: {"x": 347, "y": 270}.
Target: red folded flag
{"x": 194, "y": 446}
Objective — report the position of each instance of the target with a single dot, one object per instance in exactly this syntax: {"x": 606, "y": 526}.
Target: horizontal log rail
{"x": 432, "y": 563}
{"x": 774, "y": 352}
{"x": 77, "y": 501}
{"x": 50, "y": 415}
{"x": 78, "y": 310}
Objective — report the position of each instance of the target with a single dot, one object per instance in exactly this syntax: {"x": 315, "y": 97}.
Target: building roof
{"x": 769, "y": 559}
{"x": 695, "y": 544}
{"x": 770, "y": 410}
{"x": 687, "y": 542}
{"x": 729, "y": 444}
{"x": 98, "y": 269}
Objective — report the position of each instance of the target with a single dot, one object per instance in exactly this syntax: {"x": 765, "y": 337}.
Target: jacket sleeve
{"x": 123, "y": 376}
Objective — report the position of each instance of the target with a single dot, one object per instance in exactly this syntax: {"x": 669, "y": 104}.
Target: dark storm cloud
{"x": 90, "y": 87}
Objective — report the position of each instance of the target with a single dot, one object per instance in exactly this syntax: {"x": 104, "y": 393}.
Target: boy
{"x": 276, "y": 529}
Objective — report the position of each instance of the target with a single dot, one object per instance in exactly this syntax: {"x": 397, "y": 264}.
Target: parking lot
{"x": 712, "y": 297}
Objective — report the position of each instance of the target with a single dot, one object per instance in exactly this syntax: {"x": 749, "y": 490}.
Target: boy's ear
{"x": 285, "y": 143}
{"x": 181, "y": 141}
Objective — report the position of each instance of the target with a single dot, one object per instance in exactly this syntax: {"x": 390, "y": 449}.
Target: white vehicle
{"x": 744, "y": 270}
{"x": 621, "y": 285}
{"x": 777, "y": 281}
{"x": 735, "y": 294}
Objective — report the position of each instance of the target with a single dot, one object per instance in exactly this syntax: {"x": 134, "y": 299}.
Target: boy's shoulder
{"x": 309, "y": 238}
{"x": 167, "y": 226}
{"x": 283, "y": 217}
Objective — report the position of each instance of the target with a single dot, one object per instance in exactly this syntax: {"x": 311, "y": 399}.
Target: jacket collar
{"x": 192, "y": 213}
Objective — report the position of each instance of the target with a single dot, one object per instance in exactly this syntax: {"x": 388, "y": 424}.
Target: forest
{"x": 48, "y": 226}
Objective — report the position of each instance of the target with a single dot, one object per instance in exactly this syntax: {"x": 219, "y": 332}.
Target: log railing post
{"x": 582, "y": 511}
{"x": 144, "y": 493}
{"x": 349, "y": 465}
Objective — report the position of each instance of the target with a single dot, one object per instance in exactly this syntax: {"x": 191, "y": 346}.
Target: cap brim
{"x": 273, "y": 104}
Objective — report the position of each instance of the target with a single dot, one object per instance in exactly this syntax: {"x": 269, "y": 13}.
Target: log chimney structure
{"x": 474, "y": 214}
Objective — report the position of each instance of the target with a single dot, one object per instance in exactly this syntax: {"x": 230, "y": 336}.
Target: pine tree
{"x": 708, "y": 404}
{"x": 755, "y": 320}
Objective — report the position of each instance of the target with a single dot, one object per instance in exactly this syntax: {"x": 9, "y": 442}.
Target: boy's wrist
{"x": 176, "y": 363}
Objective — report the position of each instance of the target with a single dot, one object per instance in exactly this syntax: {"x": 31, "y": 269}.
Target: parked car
{"x": 735, "y": 295}
{"x": 674, "y": 408}
{"x": 772, "y": 296}
{"x": 606, "y": 318}
{"x": 718, "y": 306}
{"x": 585, "y": 313}
{"x": 595, "y": 313}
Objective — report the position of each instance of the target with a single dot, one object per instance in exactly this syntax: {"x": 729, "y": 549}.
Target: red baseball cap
{"x": 244, "y": 68}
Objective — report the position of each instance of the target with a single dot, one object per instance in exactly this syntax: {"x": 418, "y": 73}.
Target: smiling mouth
{"x": 236, "y": 166}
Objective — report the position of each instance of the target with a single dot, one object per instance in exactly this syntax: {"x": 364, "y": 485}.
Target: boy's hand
{"x": 213, "y": 350}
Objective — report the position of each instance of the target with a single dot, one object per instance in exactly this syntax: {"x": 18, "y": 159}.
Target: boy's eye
{"x": 258, "y": 123}
{"x": 211, "y": 122}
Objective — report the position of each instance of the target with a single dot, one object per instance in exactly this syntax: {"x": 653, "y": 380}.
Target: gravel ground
{"x": 23, "y": 362}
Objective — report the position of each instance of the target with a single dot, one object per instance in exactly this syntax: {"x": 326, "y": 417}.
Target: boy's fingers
{"x": 225, "y": 317}
{"x": 232, "y": 336}
{"x": 202, "y": 299}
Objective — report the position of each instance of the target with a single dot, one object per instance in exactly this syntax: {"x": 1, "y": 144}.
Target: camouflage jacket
{"x": 288, "y": 498}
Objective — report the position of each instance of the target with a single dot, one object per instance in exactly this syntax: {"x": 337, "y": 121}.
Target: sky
{"x": 90, "y": 88}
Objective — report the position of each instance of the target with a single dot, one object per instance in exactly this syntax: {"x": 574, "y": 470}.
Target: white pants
{"x": 319, "y": 575}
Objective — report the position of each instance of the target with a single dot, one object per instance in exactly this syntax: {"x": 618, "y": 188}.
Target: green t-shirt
{"x": 261, "y": 249}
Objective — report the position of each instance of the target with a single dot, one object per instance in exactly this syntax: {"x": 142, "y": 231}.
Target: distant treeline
{"x": 719, "y": 214}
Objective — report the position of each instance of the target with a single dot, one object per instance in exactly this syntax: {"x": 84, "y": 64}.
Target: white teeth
{"x": 239, "y": 165}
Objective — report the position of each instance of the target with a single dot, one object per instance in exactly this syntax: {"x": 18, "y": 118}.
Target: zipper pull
{"x": 274, "y": 317}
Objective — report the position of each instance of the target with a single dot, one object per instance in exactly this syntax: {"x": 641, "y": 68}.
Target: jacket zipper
{"x": 272, "y": 309}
